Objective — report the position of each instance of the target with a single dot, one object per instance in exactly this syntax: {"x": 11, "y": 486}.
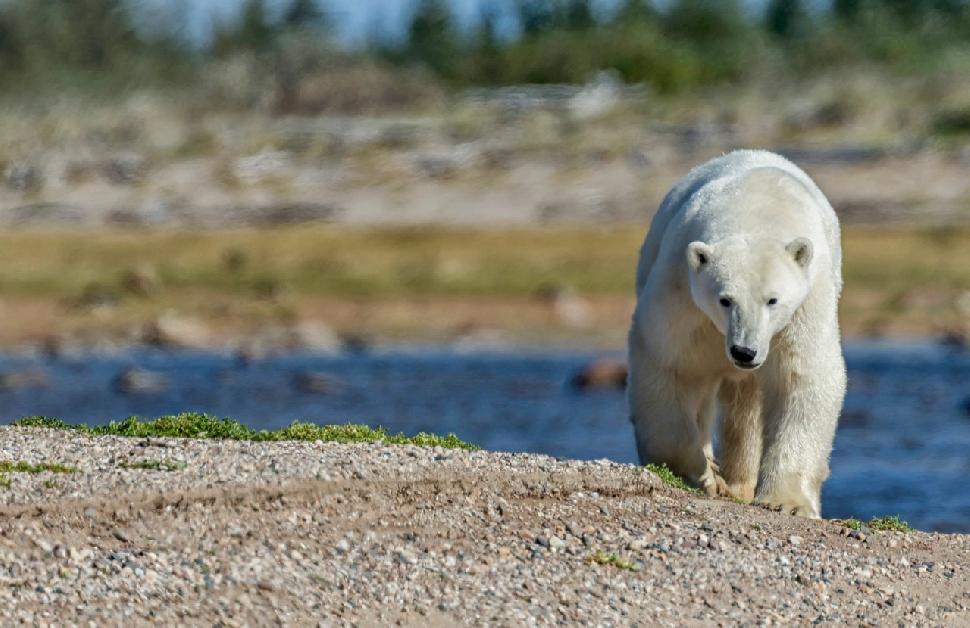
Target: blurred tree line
{"x": 671, "y": 45}
{"x": 679, "y": 44}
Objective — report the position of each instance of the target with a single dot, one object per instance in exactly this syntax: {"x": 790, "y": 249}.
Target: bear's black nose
{"x": 743, "y": 355}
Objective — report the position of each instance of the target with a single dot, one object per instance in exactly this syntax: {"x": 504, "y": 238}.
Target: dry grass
{"x": 422, "y": 282}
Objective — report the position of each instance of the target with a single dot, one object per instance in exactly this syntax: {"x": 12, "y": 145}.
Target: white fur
{"x": 747, "y": 227}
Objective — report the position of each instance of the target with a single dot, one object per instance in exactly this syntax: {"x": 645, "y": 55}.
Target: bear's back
{"x": 694, "y": 200}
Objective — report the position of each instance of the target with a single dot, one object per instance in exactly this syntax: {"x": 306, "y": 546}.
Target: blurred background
{"x": 425, "y": 214}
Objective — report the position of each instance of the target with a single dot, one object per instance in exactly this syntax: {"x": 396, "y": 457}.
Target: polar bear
{"x": 736, "y": 319}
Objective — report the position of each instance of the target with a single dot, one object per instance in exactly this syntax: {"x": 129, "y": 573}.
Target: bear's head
{"x": 750, "y": 289}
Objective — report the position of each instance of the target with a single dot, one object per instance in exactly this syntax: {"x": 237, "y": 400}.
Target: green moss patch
{"x": 154, "y": 465}
{"x": 192, "y": 425}
{"x": 8, "y": 466}
{"x": 18, "y": 466}
{"x": 613, "y": 560}
{"x": 890, "y": 523}
{"x": 851, "y": 523}
{"x": 670, "y": 478}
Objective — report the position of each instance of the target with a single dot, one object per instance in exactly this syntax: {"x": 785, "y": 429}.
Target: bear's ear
{"x": 801, "y": 251}
{"x": 698, "y": 254}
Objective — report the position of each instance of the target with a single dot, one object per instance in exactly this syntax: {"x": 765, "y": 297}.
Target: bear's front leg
{"x": 665, "y": 421}
{"x": 802, "y": 407}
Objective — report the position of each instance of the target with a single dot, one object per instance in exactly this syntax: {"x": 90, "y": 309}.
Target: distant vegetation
{"x": 671, "y": 46}
{"x": 279, "y": 275}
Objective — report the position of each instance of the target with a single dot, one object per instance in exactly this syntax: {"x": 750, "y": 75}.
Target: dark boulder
{"x": 603, "y": 373}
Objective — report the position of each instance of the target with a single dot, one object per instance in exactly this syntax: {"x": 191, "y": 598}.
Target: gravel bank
{"x": 301, "y": 533}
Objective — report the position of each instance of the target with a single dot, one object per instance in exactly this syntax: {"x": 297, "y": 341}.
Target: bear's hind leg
{"x": 739, "y": 442}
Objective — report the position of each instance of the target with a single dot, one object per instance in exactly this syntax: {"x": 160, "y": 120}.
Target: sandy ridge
{"x": 307, "y": 533}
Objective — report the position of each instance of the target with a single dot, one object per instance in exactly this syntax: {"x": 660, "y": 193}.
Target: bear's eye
{"x": 725, "y": 302}
{"x": 772, "y": 301}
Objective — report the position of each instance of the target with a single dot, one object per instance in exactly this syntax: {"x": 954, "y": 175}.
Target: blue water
{"x": 903, "y": 444}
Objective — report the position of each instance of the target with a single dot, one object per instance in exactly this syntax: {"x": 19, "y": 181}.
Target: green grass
{"x": 670, "y": 478}
{"x": 613, "y": 560}
{"x": 7, "y": 466}
{"x": 254, "y": 275}
{"x": 154, "y": 465}
{"x": 890, "y": 523}
{"x": 192, "y": 425}
{"x": 430, "y": 262}
{"x": 17, "y": 466}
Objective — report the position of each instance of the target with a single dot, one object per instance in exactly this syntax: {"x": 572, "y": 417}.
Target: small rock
{"x": 406, "y": 557}
{"x": 235, "y": 260}
{"x": 255, "y": 168}
{"x": 292, "y": 214}
{"x": 315, "y": 382}
{"x": 355, "y": 343}
{"x": 121, "y": 534}
{"x": 795, "y": 540}
{"x": 637, "y": 545}
{"x": 543, "y": 541}
{"x": 556, "y": 543}
{"x": 174, "y": 331}
{"x": 24, "y": 177}
{"x": 603, "y": 373}
{"x": 125, "y": 169}
{"x": 955, "y": 339}
{"x": 44, "y": 545}
{"x": 568, "y": 307}
{"x": 96, "y": 295}
{"x": 598, "y": 97}
{"x": 342, "y": 546}
{"x": 137, "y": 381}
{"x": 141, "y": 281}
{"x": 26, "y": 378}
{"x": 315, "y": 336}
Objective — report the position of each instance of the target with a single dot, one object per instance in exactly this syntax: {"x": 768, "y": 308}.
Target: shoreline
{"x": 65, "y": 348}
{"x": 241, "y": 531}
